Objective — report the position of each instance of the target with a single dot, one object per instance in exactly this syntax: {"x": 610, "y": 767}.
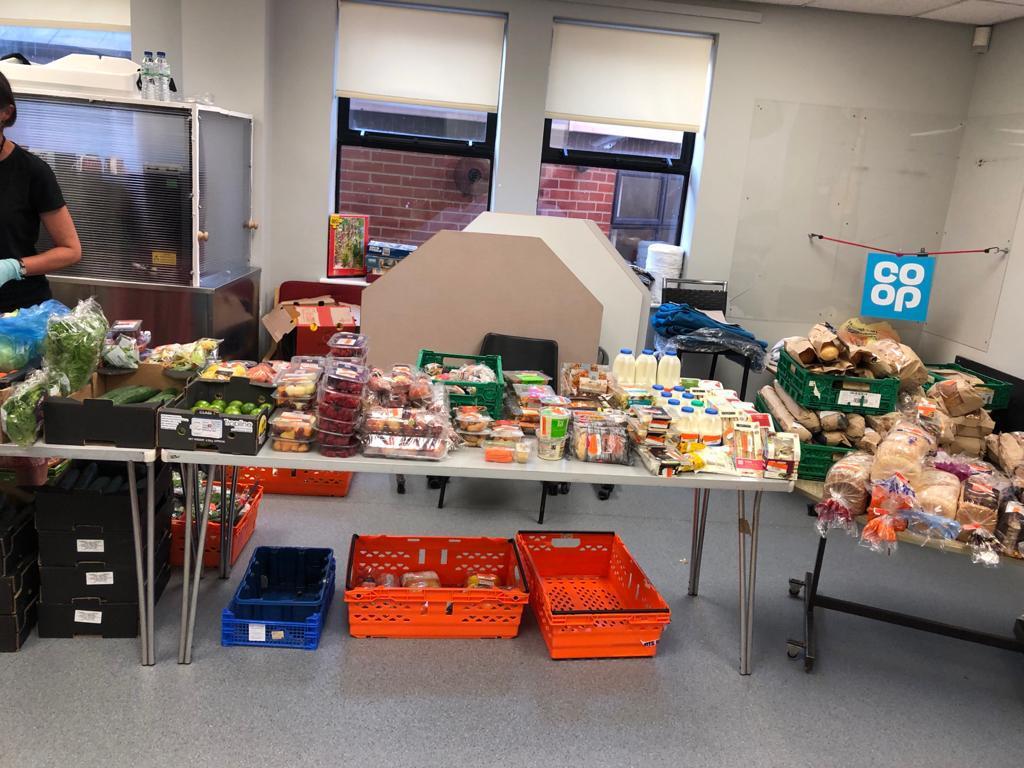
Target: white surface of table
{"x": 469, "y": 462}
{"x": 358, "y": 282}
{"x": 43, "y": 450}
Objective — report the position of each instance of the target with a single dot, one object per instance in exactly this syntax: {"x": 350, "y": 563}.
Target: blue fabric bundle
{"x": 682, "y": 319}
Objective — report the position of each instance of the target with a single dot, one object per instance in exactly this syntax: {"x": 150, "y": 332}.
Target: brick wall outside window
{"x": 578, "y": 193}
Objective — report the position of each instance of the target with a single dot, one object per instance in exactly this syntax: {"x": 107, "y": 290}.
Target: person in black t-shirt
{"x": 29, "y": 194}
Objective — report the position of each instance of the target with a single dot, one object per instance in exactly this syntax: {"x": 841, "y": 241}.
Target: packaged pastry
{"x": 403, "y": 386}
{"x": 401, "y": 447}
{"x": 293, "y": 425}
{"x": 506, "y": 432}
{"x": 474, "y": 439}
{"x": 483, "y": 580}
{"x": 472, "y": 418}
{"x": 346, "y": 344}
{"x": 421, "y": 580}
{"x": 532, "y": 394}
{"x": 405, "y": 421}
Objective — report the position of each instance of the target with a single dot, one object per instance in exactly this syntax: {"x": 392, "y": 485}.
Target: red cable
{"x": 899, "y": 253}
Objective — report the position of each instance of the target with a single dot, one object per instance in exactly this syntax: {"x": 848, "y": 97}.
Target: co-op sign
{"x": 897, "y": 287}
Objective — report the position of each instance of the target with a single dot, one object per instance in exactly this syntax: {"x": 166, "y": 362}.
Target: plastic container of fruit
{"x": 285, "y": 445}
{"x": 411, "y": 422}
{"x": 339, "y": 451}
{"x": 337, "y": 440}
{"x": 345, "y": 344}
{"x": 342, "y": 376}
{"x": 293, "y": 425}
{"x": 329, "y": 396}
{"x": 337, "y": 412}
{"x": 294, "y": 403}
{"x": 401, "y": 447}
{"x": 337, "y": 427}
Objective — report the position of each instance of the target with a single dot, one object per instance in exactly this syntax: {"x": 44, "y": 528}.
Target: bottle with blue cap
{"x": 669, "y": 367}
{"x": 710, "y": 425}
{"x": 624, "y": 367}
{"x": 656, "y": 391}
{"x": 686, "y": 425}
{"x": 646, "y": 369}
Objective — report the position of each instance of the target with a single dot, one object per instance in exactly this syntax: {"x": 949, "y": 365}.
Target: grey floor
{"x": 881, "y": 695}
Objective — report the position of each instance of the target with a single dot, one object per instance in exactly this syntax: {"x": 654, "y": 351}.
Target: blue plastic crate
{"x": 282, "y": 600}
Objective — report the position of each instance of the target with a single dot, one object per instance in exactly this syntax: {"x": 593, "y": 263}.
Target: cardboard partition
{"x": 459, "y": 286}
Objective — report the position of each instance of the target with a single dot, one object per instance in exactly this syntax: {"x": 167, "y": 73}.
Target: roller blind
{"x": 628, "y": 77}
{"x": 73, "y": 14}
{"x": 419, "y": 56}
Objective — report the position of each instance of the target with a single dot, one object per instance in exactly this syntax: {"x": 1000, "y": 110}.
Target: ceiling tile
{"x": 890, "y": 7}
{"x": 977, "y": 12}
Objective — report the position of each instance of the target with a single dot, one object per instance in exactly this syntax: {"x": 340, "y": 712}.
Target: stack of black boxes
{"x": 87, "y": 575}
{"x": 19, "y": 573}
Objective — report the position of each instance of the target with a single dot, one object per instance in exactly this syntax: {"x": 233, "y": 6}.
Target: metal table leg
{"x": 227, "y": 519}
{"x": 204, "y": 519}
{"x": 700, "y": 520}
{"x": 188, "y": 482}
{"x": 150, "y": 555}
{"x": 133, "y": 493}
{"x": 748, "y": 573}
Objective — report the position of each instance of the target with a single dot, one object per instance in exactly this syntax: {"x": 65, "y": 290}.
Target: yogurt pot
{"x": 551, "y": 449}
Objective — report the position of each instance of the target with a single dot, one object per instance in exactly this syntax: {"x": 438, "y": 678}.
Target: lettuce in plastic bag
{"x": 21, "y": 413}
{"x": 73, "y": 342}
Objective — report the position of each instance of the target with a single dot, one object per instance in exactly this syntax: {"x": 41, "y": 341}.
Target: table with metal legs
{"x": 470, "y": 464}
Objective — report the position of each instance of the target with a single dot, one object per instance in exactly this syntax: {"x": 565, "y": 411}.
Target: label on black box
{"x": 99, "y": 578}
{"x": 211, "y": 429}
{"x": 239, "y": 425}
{"x": 89, "y": 617}
{"x": 170, "y": 420}
{"x": 89, "y": 545}
{"x": 257, "y": 633}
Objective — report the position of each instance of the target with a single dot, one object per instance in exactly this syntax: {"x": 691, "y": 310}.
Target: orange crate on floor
{"x": 297, "y": 482}
{"x": 245, "y": 526}
{"x": 590, "y": 597}
{"x": 447, "y": 612}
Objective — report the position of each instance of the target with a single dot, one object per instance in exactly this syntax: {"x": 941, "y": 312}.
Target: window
{"x": 41, "y": 45}
{"x": 416, "y": 128}
{"x": 413, "y": 171}
{"x": 623, "y": 108}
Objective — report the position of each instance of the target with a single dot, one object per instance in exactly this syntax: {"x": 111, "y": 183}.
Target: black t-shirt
{"x": 27, "y": 189}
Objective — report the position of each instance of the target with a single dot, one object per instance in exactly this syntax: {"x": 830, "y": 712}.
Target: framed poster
{"x": 348, "y": 236}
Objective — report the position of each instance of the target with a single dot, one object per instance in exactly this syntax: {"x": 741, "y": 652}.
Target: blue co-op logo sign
{"x": 897, "y": 288}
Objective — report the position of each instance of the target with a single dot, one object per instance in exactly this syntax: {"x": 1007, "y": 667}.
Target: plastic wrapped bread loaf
{"x": 786, "y": 421}
{"x": 846, "y": 492}
{"x": 903, "y": 450}
{"x": 938, "y": 492}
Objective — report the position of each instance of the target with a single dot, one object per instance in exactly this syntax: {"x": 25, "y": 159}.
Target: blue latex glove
{"x": 10, "y": 269}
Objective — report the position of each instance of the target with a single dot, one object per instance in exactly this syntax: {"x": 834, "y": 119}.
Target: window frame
{"x": 678, "y": 166}
{"x": 349, "y": 137}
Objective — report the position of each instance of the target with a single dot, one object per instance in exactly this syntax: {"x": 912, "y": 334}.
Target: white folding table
{"x": 130, "y": 456}
{"x": 470, "y": 463}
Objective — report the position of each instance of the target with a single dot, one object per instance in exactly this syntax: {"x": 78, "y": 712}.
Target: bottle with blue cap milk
{"x": 646, "y": 369}
{"x": 669, "y": 368}
{"x": 624, "y": 366}
{"x": 710, "y": 425}
{"x": 686, "y": 425}
{"x": 656, "y": 391}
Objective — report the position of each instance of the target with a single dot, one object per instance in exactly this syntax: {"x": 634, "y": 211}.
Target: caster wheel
{"x": 401, "y": 487}
{"x": 604, "y": 495}
{"x": 795, "y": 587}
{"x": 563, "y": 488}
{"x": 792, "y": 650}
{"x": 552, "y": 489}
{"x": 434, "y": 483}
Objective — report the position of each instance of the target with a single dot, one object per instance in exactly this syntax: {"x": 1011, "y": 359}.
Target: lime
{"x": 235, "y": 404}
{"x": 233, "y": 410}
{"x": 248, "y": 407}
{"x": 201, "y": 404}
{"x": 218, "y": 405}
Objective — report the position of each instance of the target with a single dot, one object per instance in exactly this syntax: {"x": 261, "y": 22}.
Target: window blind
{"x": 72, "y": 14}
{"x": 628, "y": 77}
{"x": 419, "y": 56}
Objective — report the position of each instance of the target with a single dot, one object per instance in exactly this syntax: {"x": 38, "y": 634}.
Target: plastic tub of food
{"x": 296, "y": 384}
{"x": 474, "y": 439}
{"x": 472, "y": 420}
{"x": 499, "y": 452}
{"x": 346, "y": 375}
{"x": 292, "y": 446}
{"x": 293, "y": 425}
{"x": 402, "y": 447}
{"x": 340, "y": 399}
{"x": 337, "y": 412}
{"x": 551, "y": 449}
{"x": 345, "y": 344}
{"x": 412, "y": 422}
{"x": 506, "y": 433}
{"x": 307, "y": 403}
{"x": 339, "y": 451}
{"x": 337, "y": 438}
{"x": 336, "y": 426}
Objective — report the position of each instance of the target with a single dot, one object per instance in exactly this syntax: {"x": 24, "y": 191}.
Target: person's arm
{"x": 67, "y": 249}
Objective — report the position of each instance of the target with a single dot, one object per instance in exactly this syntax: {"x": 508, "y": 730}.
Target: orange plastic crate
{"x": 245, "y": 526}
{"x": 590, "y": 597}
{"x": 297, "y": 482}
{"x": 445, "y": 612}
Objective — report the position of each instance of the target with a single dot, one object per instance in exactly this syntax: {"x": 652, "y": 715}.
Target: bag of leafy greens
{"x": 21, "y": 414}
{"x": 73, "y": 342}
{"x": 21, "y": 333}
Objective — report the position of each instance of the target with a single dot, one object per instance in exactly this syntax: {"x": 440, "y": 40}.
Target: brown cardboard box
{"x": 978, "y": 424}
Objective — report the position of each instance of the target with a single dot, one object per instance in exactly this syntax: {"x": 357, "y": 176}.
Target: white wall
{"x": 998, "y": 90}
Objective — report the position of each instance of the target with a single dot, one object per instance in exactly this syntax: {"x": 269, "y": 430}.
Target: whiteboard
{"x": 881, "y": 177}
{"x": 983, "y": 212}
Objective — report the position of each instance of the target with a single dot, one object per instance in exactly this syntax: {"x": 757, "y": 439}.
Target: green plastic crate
{"x": 994, "y": 393}
{"x": 488, "y": 394}
{"x": 815, "y": 460}
{"x": 824, "y": 392}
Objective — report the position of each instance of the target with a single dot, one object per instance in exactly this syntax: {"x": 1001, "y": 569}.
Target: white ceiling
{"x": 960, "y": 11}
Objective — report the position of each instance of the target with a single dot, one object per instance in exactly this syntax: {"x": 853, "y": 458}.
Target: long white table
{"x": 130, "y": 456}
{"x": 469, "y": 462}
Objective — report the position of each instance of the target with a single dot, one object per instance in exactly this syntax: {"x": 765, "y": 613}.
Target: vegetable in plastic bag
{"x": 73, "y": 342}
{"x": 21, "y": 414}
{"x": 21, "y": 334}
{"x": 124, "y": 353}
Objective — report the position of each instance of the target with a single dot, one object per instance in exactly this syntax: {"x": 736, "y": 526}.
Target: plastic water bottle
{"x": 148, "y": 83}
{"x": 163, "y": 77}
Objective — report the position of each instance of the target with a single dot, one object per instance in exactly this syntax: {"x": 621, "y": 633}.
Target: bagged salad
{"x": 21, "y": 414}
{"x": 74, "y": 341}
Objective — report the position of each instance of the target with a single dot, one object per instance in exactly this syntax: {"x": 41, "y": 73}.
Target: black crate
{"x": 112, "y": 584}
{"x": 21, "y": 587}
{"x": 59, "y": 509}
{"x": 90, "y": 543}
{"x": 208, "y": 430}
{"x": 15, "y": 627}
{"x": 93, "y": 616}
{"x": 17, "y": 536}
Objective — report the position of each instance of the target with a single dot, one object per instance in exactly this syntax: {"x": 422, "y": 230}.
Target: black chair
{"x": 707, "y": 296}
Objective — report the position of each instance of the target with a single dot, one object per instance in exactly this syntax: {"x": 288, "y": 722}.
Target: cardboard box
{"x": 82, "y": 419}
{"x": 17, "y": 536}
{"x": 93, "y": 616}
{"x": 58, "y": 509}
{"x": 109, "y": 583}
{"x": 21, "y": 587}
{"x": 15, "y": 627}
{"x": 244, "y": 434}
{"x": 381, "y": 256}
